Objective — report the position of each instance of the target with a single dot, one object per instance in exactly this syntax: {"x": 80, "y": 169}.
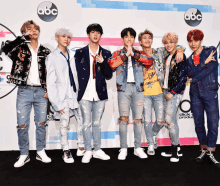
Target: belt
{"x": 34, "y": 85}
{"x": 130, "y": 82}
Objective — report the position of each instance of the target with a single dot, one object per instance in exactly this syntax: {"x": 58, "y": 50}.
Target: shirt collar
{"x": 90, "y": 51}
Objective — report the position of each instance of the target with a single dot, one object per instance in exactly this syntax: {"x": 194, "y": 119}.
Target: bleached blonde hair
{"x": 172, "y": 36}
{"x": 63, "y": 31}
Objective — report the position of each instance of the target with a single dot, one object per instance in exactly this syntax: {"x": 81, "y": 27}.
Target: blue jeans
{"x": 26, "y": 97}
{"x": 206, "y": 101}
{"x": 64, "y": 127}
{"x": 133, "y": 99}
{"x": 150, "y": 102}
{"x": 96, "y": 109}
{"x": 171, "y": 108}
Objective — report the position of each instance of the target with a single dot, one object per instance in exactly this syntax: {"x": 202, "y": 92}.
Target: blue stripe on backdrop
{"x": 104, "y": 135}
{"x": 143, "y": 6}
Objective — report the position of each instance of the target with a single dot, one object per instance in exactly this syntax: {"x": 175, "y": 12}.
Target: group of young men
{"x": 75, "y": 84}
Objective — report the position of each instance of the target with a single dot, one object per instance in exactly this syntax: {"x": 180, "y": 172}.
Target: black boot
{"x": 174, "y": 157}
{"x": 200, "y": 158}
{"x": 212, "y": 158}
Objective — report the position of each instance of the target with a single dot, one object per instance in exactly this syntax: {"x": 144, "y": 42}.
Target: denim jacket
{"x": 119, "y": 62}
{"x": 205, "y": 76}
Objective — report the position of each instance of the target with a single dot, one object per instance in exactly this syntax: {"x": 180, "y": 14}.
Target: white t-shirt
{"x": 165, "y": 85}
{"x": 33, "y": 76}
{"x": 130, "y": 77}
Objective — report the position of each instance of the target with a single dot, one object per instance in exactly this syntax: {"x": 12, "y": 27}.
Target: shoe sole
{"x": 122, "y": 158}
{"x": 151, "y": 154}
{"x": 68, "y": 162}
{"x": 42, "y": 160}
{"x": 179, "y": 155}
{"x": 23, "y": 164}
{"x": 94, "y": 156}
{"x": 139, "y": 156}
{"x": 174, "y": 160}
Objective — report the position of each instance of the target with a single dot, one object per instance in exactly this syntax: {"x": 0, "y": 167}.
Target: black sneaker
{"x": 200, "y": 158}
{"x": 169, "y": 153}
{"x": 174, "y": 156}
{"x": 67, "y": 157}
{"x": 212, "y": 158}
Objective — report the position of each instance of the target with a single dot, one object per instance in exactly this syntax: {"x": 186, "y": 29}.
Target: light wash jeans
{"x": 64, "y": 127}
{"x": 171, "y": 108}
{"x": 133, "y": 99}
{"x": 92, "y": 112}
{"x": 26, "y": 97}
{"x": 156, "y": 102}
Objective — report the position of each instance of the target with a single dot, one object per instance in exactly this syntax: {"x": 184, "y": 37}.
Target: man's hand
{"x": 99, "y": 57}
{"x": 169, "y": 96}
{"x": 189, "y": 80}
{"x": 61, "y": 112}
{"x": 29, "y": 32}
{"x": 179, "y": 57}
{"x": 210, "y": 58}
{"x": 45, "y": 95}
{"x": 129, "y": 51}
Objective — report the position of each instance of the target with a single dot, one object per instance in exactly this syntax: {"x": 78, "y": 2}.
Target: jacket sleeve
{"x": 141, "y": 57}
{"x": 165, "y": 53}
{"x": 106, "y": 69}
{"x": 182, "y": 77}
{"x": 51, "y": 85}
{"x": 11, "y": 46}
{"x": 116, "y": 60}
{"x": 195, "y": 70}
{"x": 207, "y": 69}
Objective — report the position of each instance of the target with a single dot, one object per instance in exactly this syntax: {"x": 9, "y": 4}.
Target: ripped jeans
{"x": 134, "y": 100}
{"x": 26, "y": 97}
{"x": 171, "y": 108}
{"x": 64, "y": 127}
{"x": 150, "y": 102}
{"x": 92, "y": 112}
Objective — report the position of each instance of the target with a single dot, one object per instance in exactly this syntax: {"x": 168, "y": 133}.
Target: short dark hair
{"x": 94, "y": 27}
{"x": 125, "y": 31}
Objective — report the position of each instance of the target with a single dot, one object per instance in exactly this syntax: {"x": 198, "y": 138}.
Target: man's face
{"x": 170, "y": 46}
{"x": 94, "y": 36}
{"x": 128, "y": 40}
{"x": 34, "y": 31}
{"x": 63, "y": 41}
{"x": 146, "y": 41}
{"x": 194, "y": 45}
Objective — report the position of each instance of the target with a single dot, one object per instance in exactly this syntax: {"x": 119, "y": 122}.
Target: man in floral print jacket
{"x": 29, "y": 72}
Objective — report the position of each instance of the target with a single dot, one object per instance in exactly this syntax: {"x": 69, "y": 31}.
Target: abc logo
{"x": 193, "y": 17}
{"x": 47, "y": 11}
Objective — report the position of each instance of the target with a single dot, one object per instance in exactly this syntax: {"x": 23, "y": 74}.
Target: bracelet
{"x": 180, "y": 50}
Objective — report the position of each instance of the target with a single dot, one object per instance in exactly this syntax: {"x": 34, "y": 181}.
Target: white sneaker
{"x": 100, "y": 154}
{"x": 155, "y": 138}
{"x": 42, "y": 156}
{"x": 22, "y": 159}
{"x": 67, "y": 157}
{"x": 150, "y": 150}
{"x": 80, "y": 152}
{"x": 123, "y": 153}
{"x": 87, "y": 156}
{"x": 140, "y": 153}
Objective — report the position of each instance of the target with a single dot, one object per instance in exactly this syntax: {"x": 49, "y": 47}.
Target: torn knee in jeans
{"x": 41, "y": 123}
{"x": 160, "y": 121}
{"x": 169, "y": 124}
{"x": 21, "y": 126}
{"x": 137, "y": 120}
{"x": 124, "y": 118}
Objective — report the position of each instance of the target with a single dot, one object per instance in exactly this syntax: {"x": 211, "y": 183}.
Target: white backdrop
{"x": 113, "y": 16}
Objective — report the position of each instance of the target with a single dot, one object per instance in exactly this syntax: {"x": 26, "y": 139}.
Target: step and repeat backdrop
{"x": 178, "y": 16}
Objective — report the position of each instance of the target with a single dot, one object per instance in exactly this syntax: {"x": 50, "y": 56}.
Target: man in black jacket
{"x": 29, "y": 72}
